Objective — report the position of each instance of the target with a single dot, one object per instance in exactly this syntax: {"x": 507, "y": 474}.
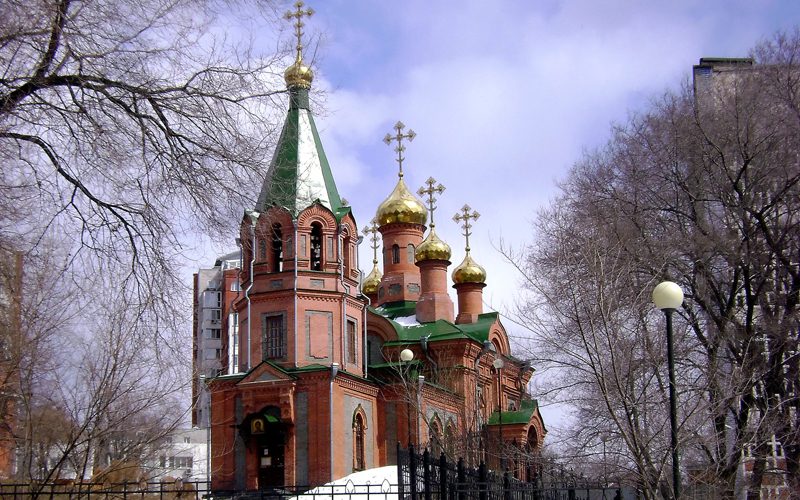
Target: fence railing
{"x": 178, "y": 490}
{"x": 423, "y": 477}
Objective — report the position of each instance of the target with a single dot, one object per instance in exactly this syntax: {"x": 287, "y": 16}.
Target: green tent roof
{"x": 299, "y": 174}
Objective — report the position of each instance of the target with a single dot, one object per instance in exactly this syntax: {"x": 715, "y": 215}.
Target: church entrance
{"x": 268, "y": 434}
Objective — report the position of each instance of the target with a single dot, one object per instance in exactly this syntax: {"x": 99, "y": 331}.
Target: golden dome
{"x": 432, "y": 248}
{"x": 401, "y": 206}
{"x": 371, "y": 282}
{"x": 298, "y": 74}
{"x": 469, "y": 272}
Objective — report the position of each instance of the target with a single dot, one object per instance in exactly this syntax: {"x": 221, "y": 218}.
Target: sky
{"x": 504, "y": 97}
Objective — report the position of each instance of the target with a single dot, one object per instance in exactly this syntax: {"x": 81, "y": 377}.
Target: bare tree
{"x": 701, "y": 189}
{"x": 128, "y": 125}
{"x": 127, "y": 129}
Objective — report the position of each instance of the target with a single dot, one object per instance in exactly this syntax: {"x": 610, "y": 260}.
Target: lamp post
{"x": 406, "y": 355}
{"x": 498, "y": 365}
{"x": 668, "y": 297}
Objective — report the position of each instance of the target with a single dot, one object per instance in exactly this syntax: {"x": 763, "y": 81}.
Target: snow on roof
{"x": 370, "y": 484}
{"x": 407, "y": 321}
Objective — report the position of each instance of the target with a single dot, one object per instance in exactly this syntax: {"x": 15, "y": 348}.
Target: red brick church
{"x": 321, "y": 388}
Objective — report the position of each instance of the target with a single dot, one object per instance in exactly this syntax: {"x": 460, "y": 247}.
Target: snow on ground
{"x": 370, "y": 484}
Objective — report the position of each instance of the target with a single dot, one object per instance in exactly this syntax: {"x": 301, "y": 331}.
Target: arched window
{"x": 316, "y": 247}
{"x": 450, "y": 441}
{"x": 347, "y": 254}
{"x": 395, "y": 254}
{"x": 435, "y": 439}
{"x": 276, "y": 254}
{"x": 359, "y": 438}
{"x": 410, "y": 251}
{"x": 374, "y": 349}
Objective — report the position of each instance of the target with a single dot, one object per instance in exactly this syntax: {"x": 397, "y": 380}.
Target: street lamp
{"x": 406, "y": 355}
{"x": 668, "y": 297}
{"x": 498, "y": 365}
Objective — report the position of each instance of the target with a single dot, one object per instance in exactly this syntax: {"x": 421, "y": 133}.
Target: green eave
{"x": 436, "y": 330}
{"x": 523, "y": 416}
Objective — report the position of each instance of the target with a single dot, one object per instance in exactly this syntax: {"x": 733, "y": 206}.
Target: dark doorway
{"x": 271, "y": 448}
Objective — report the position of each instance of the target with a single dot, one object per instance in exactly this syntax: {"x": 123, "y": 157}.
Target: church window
{"x": 374, "y": 347}
{"x": 410, "y": 251}
{"x": 450, "y": 440}
{"x": 347, "y": 253}
{"x": 276, "y": 257}
{"x": 351, "y": 341}
{"x": 435, "y": 439}
{"x": 395, "y": 254}
{"x": 359, "y": 438}
{"x": 274, "y": 337}
{"x": 316, "y": 246}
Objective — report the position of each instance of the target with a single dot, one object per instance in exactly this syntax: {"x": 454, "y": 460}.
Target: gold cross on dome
{"x": 399, "y": 138}
{"x": 466, "y": 218}
{"x": 299, "y": 14}
{"x": 371, "y": 232}
{"x": 430, "y": 192}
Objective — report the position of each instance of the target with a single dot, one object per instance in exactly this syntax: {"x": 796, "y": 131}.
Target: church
{"x": 330, "y": 370}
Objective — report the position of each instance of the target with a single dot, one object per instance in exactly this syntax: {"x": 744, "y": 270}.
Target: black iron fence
{"x": 72, "y": 490}
{"x": 419, "y": 477}
{"x": 423, "y": 477}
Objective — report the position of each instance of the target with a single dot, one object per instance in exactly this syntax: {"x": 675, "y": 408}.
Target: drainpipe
{"x": 487, "y": 347}
{"x": 294, "y": 289}
{"x": 253, "y": 215}
{"x": 334, "y": 372}
{"x": 238, "y": 293}
{"x": 423, "y": 341}
{"x": 369, "y": 302}
{"x": 344, "y": 299}
{"x": 525, "y": 367}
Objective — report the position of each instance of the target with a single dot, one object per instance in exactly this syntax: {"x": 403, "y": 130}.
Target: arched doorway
{"x": 267, "y": 434}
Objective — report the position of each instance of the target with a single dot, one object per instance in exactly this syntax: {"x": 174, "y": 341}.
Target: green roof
{"x": 402, "y": 317}
{"x": 523, "y": 416}
{"x": 299, "y": 174}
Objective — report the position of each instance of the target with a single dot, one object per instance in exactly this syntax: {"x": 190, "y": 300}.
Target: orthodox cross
{"x": 466, "y": 218}
{"x": 371, "y": 232}
{"x": 399, "y": 138}
{"x": 299, "y": 14}
{"x": 430, "y": 192}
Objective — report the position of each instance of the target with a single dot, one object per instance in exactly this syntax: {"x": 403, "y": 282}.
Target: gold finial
{"x": 430, "y": 192}
{"x": 399, "y": 138}
{"x": 371, "y": 232}
{"x": 466, "y": 218}
{"x": 299, "y": 14}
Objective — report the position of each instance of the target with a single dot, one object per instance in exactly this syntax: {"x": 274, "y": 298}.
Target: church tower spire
{"x": 299, "y": 173}
{"x": 468, "y": 278}
{"x": 432, "y": 258}
{"x": 401, "y": 219}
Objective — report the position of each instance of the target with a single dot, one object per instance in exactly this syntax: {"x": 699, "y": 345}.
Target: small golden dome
{"x": 432, "y": 248}
{"x": 298, "y": 74}
{"x": 401, "y": 206}
{"x": 371, "y": 282}
{"x": 469, "y": 271}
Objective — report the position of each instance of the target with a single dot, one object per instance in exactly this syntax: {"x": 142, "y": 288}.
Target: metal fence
{"x": 178, "y": 490}
{"x": 422, "y": 477}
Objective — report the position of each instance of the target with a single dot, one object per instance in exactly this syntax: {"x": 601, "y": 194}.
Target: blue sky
{"x": 504, "y": 96}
